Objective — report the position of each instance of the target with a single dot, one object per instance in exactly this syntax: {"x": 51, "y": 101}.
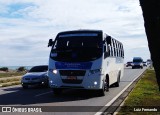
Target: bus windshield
{"x": 77, "y": 48}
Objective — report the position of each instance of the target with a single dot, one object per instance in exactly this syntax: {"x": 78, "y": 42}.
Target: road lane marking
{"x": 43, "y": 94}
{"x": 109, "y": 103}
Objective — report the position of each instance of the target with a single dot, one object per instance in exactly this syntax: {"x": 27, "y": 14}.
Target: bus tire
{"x": 118, "y": 80}
{"x": 57, "y": 91}
{"x": 101, "y": 92}
{"x": 106, "y": 86}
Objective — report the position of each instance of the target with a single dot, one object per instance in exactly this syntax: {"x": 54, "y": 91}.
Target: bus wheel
{"x": 106, "y": 85}
{"x": 57, "y": 91}
{"x": 101, "y": 92}
{"x": 118, "y": 80}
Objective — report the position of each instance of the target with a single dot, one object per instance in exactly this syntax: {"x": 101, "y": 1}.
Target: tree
{"x": 4, "y": 69}
{"x": 20, "y": 69}
{"x": 151, "y": 15}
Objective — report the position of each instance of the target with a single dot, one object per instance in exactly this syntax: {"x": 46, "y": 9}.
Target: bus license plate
{"x": 72, "y": 77}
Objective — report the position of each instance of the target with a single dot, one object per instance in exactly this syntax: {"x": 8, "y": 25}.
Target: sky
{"x": 27, "y": 25}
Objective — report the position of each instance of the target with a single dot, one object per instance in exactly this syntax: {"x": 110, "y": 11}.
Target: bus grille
{"x": 72, "y": 72}
{"x": 72, "y": 81}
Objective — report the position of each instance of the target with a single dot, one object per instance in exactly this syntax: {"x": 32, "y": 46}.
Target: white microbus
{"x": 85, "y": 59}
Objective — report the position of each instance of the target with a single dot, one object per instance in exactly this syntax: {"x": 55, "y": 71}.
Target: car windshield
{"x": 39, "y": 69}
{"x": 137, "y": 60}
{"x": 77, "y": 48}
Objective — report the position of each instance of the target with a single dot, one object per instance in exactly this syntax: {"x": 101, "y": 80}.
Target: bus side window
{"x": 114, "y": 49}
{"x": 108, "y": 50}
{"x": 119, "y": 50}
{"x": 111, "y": 51}
{"x": 122, "y": 51}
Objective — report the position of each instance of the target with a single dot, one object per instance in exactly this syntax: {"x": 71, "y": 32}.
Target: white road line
{"x": 109, "y": 103}
{"x": 43, "y": 94}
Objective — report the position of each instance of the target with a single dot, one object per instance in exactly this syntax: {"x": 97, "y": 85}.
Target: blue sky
{"x": 27, "y": 25}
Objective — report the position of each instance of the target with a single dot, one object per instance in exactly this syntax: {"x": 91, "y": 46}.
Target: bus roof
{"x": 80, "y": 31}
{"x": 84, "y": 32}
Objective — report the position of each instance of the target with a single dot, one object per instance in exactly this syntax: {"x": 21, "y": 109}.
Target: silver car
{"x": 36, "y": 76}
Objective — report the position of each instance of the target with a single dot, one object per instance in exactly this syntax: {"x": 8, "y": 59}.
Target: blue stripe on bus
{"x": 72, "y": 65}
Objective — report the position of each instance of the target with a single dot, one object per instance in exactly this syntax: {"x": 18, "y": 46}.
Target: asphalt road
{"x": 16, "y": 96}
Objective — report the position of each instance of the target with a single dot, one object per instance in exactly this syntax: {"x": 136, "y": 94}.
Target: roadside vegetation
{"x": 5, "y": 72}
{"x": 9, "y": 81}
{"x": 4, "y": 69}
{"x": 11, "y": 74}
{"x": 144, "y": 96}
{"x": 11, "y": 77}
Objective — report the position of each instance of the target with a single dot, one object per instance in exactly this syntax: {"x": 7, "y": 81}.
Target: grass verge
{"x": 10, "y": 83}
{"x": 11, "y": 74}
{"x": 10, "y": 78}
{"x": 145, "y": 97}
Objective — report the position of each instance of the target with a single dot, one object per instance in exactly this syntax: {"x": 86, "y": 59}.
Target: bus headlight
{"x": 94, "y": 71}
{"x": 95, "y": 83}
{"x": 55, "y": 71}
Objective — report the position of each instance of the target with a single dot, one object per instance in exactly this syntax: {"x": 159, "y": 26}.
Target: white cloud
{"x": 41, "y": 20}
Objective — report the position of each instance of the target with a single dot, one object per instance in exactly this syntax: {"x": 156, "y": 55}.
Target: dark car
{"x": 36, "y": 76}
{"x": 145, "y": 64}
{"x": 128, "y": 64}
{"x": 137, "y": 63}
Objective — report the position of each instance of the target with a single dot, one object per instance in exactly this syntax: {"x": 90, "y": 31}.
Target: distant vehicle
{"x": 128, "y": 64}
{"x": 85, "y": 59}
{"x": 149, "y": 61}
{"x": 145, "y": 63}
{"x": 36, "y": 76}
{"x": 137, "y": 63}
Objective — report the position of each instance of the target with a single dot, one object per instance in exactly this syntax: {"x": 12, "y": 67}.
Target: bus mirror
{"x": 103, "y": 42}
{"x": 50, "y": 43}
{"x": 104, "y": 48}
{"x": 108, "y": 39}
{"x": 106, "y": 54}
